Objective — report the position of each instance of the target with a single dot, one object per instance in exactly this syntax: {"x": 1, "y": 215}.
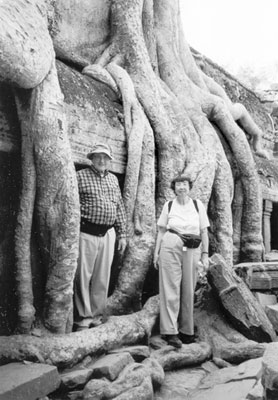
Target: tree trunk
{"x": 56, "y": 206}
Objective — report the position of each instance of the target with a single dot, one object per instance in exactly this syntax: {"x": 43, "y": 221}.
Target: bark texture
{"x": 176, "y": 120}
{"x": 66, "y": 350}
{"x": 50, "y": 188}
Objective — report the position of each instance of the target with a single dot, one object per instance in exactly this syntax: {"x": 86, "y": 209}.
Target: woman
{"x": 178, "y": 263}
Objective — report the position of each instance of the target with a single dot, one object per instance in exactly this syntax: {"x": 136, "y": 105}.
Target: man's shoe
{"x": 173, "y": 340}
{"x": 187, "y": 339}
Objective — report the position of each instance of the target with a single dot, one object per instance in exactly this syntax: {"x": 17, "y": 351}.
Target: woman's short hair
{"x": 181, "y": 178}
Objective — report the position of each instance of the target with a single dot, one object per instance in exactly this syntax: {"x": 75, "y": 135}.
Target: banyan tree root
{"x": 67, "y": 350}
{"x": 56, "y": 208}
{"x": 146, "y": 60}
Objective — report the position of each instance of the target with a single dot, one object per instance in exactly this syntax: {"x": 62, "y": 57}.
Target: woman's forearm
{"x": 160, "y": 234}
{"x": 205, "y": 241}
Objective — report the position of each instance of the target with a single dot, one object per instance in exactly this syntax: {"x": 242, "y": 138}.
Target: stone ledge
{"x": 19, "y": 381}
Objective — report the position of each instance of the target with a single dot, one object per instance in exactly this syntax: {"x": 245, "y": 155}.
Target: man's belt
{"x": 94, "y": 229}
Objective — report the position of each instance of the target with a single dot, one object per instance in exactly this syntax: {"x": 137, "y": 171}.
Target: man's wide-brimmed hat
{"x": 100, "y": 148}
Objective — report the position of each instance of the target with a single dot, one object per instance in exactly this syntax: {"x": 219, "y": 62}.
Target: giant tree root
{"x": 67, "y": 350}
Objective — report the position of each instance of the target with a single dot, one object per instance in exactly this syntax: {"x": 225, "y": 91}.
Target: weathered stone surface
{"x": 138, "y": 353}
{"x": 245, "y": 312}
{"x": 142, "y": 392}
{"x": 132, "y": 377}
{"x": 93, "y": 115}
{"x": 270, "y": 372}
{"x": 178, "y": 384}
{"x": 237, "y": 390}
{"x": 188, "y": 355}
{"x": 76, "y": 379}
{"x": 155, "y": 371}
{"x": 95, "y": 389}
{"x": 260, "y": 275}
{"x": 20, "y": 381}
{"x": 250, "y": 369}
{"x": 266, "y": 299}
{"x": 256, "y": 393}
{"x": 111, "y": 365}
{"x": 272, "y": 313}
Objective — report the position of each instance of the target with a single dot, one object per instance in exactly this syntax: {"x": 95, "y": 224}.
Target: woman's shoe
{"x": 173, "y": 340}
{"x": 187, "y": 339}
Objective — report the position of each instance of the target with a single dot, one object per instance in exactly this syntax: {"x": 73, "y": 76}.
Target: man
{"x": 102, "y": 213}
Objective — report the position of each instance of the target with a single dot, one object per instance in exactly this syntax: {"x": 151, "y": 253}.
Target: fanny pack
{"x": 189, "y": 240}
{"x": 94, "y": 229}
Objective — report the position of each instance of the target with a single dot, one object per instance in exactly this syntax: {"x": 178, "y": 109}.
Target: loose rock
{"x": 111, "y": 365}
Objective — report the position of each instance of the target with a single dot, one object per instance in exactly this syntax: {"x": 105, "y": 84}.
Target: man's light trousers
{"x": 177, "y": 281}
{"x": 92, "y": 276}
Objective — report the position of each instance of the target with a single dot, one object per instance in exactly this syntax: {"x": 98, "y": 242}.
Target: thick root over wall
{"x": 170, "y": 110}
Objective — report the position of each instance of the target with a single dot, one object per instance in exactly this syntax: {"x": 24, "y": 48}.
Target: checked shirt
{"x": 101, "y": 200}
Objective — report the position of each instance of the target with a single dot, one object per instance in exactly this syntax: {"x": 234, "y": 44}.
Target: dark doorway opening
{"x": 274, "y": 227}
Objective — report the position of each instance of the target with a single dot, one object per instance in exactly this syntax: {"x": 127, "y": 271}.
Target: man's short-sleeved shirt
{"x": 184, "y": 218}
{"x": 101, "y": 200}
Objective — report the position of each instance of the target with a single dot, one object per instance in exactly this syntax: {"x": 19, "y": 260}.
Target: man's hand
{"x": 121, "y": 246}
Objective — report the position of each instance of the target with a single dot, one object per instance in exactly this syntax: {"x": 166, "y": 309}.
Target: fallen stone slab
{"x": 111, "y": 365}
{"x": 189, "y": 355}
{"x": 178, "y": 384}
{"x": 138, "y": 353}
{"x": 250, "y": 369}
{"x": 266, "y": 299}
{"x": 258, "y": 275}
{"x": 236, "y": 390}
{"x": 20, "y": 381}
{"x": 270, "y": 372}
{"x": 256, "y": 393}
{"x": 241, "y": 306}
{"x": 76, "y": 379}
{"x": 272, "y": 313}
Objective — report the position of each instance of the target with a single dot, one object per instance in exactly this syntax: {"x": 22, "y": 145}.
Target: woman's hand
{"x": 205, "y": 261}
{"x": 155, "y": 260}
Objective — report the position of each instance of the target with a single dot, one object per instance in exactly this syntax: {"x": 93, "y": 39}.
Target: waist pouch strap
{"x": 94, "y": 229}
{"x": 189, "y": 240}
